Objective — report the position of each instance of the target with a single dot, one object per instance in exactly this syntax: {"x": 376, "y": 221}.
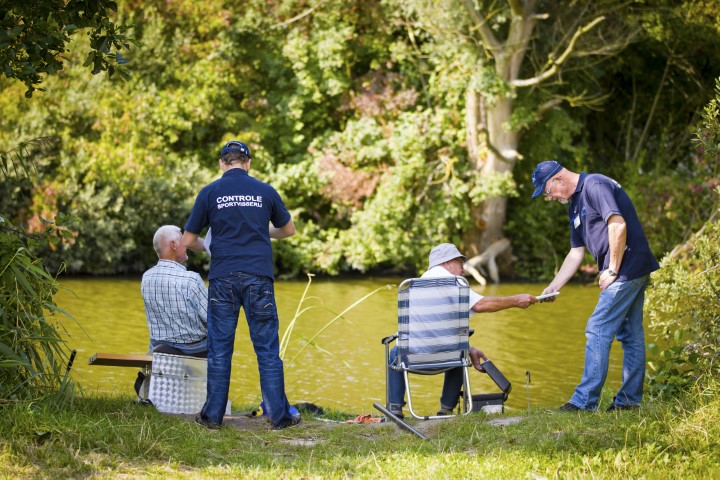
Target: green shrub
{"x": 33, "y": 355}
{"x": 682, "y": 305}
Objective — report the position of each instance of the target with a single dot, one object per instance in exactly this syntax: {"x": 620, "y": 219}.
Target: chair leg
{"x": 467, "y": 397}
{"x": 409, "y": 400}
{"x": 387, "y": 376}
{"x": 409, "y": 396}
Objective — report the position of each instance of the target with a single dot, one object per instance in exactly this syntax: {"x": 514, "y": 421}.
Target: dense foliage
{"x": 34, "y": 36}
{"x": 683, "y": 307}
{"x": 33, "y": 355}
{"x": 34, "y": 360}
{"x": 683, "y": 301}
{"x": 355, "y": 112}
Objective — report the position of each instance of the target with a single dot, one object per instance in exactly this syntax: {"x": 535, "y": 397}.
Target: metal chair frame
{"x": 430, "y": 359}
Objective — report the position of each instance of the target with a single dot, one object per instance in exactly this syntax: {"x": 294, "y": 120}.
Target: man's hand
{"x": 606, "y": 279}
{"x": 524, "y": 300}
{"x": 475, "y": 356}
{"x": 549, "y": 289}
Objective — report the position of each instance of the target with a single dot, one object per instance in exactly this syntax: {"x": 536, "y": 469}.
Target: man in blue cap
{"x": 244, "y": 215}
{"x": 603, "y": 220}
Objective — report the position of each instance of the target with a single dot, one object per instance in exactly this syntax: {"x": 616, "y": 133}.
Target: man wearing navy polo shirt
{"x": 603, "y": 220}
{"x": 244, "y": 215}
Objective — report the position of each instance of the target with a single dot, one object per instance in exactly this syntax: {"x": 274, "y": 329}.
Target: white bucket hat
{"x": 444, "y": 252}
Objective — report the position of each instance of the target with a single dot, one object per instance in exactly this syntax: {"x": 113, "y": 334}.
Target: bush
{"x": 33, "y": 354}
{"x": 684, "y": 316}
{"x": 683, "y": 301}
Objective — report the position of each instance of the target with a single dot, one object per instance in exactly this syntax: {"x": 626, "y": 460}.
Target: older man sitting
{"x": 446, "y": 261}
{"x": 175, "y": 299}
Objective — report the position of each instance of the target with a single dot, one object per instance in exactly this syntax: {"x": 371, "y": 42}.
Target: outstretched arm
{"x": 494, "y": 304}
{"x": 570, "y": 265}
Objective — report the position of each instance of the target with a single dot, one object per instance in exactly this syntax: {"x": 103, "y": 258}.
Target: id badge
{"x": 576, "y": 221}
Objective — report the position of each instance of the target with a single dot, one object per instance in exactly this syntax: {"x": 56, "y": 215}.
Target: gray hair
{"x": 165, "y": 234}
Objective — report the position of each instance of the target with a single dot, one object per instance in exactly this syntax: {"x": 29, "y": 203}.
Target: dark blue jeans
{"x": 256, "y": 294}
{"x": 450, "y": 391}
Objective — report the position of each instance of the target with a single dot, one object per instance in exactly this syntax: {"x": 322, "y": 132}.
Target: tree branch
{"x": 297, "y": 17}
{"x": 495, "y": 150}
{"x": 550, "y": 104}
{"x": 555, "y": 64}
{"x": 411, "y": 36}
{"x": 631, "y": 120}
{"x": 516, "y": 7}
{"x": 652, "y": 111}
{"x": 488, "y": 37}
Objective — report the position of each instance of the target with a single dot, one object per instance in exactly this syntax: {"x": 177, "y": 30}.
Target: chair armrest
{"x": 389, "y": 339}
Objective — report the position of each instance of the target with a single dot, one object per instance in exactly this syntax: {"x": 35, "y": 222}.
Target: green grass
{"x": 114, "y": 437}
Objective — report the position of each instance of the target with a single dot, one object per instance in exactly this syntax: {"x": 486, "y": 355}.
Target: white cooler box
{"x": 178, "y": 384}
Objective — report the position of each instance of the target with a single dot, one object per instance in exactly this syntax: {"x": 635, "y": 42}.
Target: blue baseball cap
{"x": 542, "y": 174}
{"x": 235, "y": 146}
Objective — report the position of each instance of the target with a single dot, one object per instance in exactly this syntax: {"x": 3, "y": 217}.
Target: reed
{"x": 33, "y": 355}
{"x": 303, "y": 308}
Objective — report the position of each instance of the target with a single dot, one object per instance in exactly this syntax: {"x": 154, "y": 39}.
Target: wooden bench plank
{"x": 120, "y": 360}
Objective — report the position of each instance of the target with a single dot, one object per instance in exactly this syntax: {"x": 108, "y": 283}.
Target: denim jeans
{"x": 619, "y": 313}
{"x": 256, "y": 294}
{"x": 450, "y": 393}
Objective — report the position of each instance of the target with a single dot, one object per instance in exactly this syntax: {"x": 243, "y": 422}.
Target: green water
{"x": 344, "y": 368}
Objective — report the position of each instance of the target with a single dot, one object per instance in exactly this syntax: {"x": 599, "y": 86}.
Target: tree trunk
{"x": 500, "y": 143}
{"x": 492, "y": 147}
{"x": 488, "y": 219}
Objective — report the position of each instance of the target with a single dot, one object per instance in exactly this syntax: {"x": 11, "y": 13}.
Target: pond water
{"x": 343, "y": 368}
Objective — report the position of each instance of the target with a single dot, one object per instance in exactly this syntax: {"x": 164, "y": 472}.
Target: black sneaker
{"x": 444, "y": 412}
{"x": 294, "y": 420}
{"x": 569, "y": 407}
{"x": 615, "y": 407}
{"x": 210, "y": 425}
{"x": 397, "y": 412}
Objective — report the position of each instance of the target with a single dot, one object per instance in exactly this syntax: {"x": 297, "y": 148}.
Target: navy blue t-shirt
{"x": 239, "y": 208}
{"x": 596, "y": 198}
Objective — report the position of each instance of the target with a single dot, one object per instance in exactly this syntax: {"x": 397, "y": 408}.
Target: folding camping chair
{"x": 433, "y": 331}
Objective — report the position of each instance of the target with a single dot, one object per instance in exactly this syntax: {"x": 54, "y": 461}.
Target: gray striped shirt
{"x": 175, "y": 303}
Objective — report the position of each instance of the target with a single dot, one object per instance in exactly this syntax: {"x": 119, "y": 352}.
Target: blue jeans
{"x": 256, "y": 294}
{"x": 450, "y": 392}
{"x": 619, "y": 313}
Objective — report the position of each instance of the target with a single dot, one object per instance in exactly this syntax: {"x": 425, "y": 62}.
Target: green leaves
{"x": 682, "y": 304}
{"x": 355, "y": 111}
{"x": 32, "y": 351}
{"x": 34, "y": 37}
{"x": 684, "y": 298}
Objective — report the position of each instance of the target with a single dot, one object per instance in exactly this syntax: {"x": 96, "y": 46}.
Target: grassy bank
{"x": 114, "y": 437}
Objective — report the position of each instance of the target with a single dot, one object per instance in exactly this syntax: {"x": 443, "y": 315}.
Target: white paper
{"x": 547, "y": 295}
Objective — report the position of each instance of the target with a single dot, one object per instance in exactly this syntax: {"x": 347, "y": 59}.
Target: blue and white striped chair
{"x": 433, "y": 332}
